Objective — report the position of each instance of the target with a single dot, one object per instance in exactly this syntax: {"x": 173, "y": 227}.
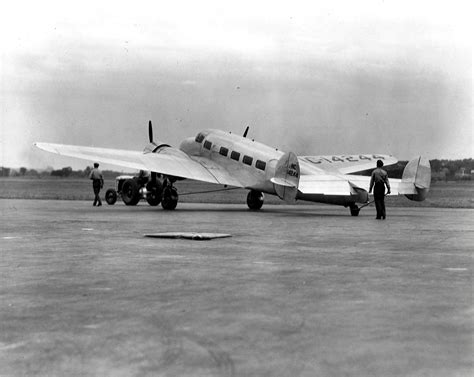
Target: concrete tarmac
{"x": 297, "y": 291}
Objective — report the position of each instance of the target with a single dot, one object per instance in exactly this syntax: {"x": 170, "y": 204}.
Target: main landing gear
{"x": 169, "y": 199}
{"x": 154, "y": 192}
{"x": 255, "y": 200}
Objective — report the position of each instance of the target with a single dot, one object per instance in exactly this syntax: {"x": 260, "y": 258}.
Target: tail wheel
{"x": 154, "y": 192}
{"x": 170, "y": 198}
{"x": 354, "y": 210}
{"x": 111, "y": 196}
{"x": 130, "y": 192}
{"x": 255, "y": 200}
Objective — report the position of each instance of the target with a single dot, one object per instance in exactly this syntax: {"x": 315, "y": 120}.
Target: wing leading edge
{"x": 168, "y": 161}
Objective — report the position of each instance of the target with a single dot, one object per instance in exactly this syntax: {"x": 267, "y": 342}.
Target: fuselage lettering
{"x": 293, "y": 170}
{"x": 292, "y": 173}
{"x": 343, "y": 158}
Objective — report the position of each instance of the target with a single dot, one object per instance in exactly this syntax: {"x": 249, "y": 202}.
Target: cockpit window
{"x": 199, "y": 138}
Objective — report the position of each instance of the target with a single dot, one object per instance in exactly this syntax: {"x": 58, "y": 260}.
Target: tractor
{"x": 134, "y": 188}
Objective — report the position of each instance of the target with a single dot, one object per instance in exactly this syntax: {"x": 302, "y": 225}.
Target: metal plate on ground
{"x": 189, "y": 235}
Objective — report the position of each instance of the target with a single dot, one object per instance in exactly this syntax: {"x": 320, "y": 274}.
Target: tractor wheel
{"x": 111, "y": 196}
{"x": 130, "y": 192}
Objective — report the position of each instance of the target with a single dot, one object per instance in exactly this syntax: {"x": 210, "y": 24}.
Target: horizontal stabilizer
{"x": 282, "y": 182}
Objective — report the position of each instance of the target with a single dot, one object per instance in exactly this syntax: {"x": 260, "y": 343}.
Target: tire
{"x": 111, "y": 196}
{"x": 255, "y": 200}
{"x": 354, "y": 210}
{"x": 130, "y": 192}
{"x": 170, "y": 198}
{"x": 154, "y": 192}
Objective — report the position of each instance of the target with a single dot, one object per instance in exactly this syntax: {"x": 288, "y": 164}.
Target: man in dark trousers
{"x": 97, "y": 183}
{"x": 378, "y": 182}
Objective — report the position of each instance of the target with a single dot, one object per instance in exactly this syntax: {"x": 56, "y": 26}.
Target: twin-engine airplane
{"x": 227, "y": 159}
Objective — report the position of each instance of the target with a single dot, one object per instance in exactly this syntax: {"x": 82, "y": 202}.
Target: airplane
{"x": 229, "y": 159}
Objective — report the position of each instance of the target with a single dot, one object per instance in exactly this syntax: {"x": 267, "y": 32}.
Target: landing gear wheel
{"x": 255, "y": 200}
{"x": 154, "y": 192}
{"x": 354, "y": 210}
{"x": 170, "y": 198}
{"x": 130, "y": 192}
{"x": 111, "y": 196}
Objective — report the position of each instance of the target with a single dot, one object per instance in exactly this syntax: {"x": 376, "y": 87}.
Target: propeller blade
{"x": 246, "y": 130}
{"x": 150, "y": 131}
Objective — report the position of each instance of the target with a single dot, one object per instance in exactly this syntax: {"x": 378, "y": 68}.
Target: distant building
{"x": 462, "y": 174}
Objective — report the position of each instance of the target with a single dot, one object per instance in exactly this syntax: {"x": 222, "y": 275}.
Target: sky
{"x": 315, "y": 78}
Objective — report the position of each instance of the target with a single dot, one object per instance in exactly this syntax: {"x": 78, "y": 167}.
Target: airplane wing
{"x": 167, "y": 160}
{"x": 342, "y": 164}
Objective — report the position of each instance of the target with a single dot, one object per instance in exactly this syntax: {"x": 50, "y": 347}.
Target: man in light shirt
{"x": 378, "y": 182}
{"x": 97, "y": 183}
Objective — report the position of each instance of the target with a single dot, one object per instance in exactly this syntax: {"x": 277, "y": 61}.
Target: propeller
{"x": 152, "y": 147}
{"x": 154, "y": 175}
{"x": 150, "y": 131}
{"x": 246, "y": 130}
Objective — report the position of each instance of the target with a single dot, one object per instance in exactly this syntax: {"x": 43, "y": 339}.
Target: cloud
{"x": 189, "y": 82}
{"x": 314, "y": 79}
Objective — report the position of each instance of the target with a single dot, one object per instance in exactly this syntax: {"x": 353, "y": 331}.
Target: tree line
{"x": 66, "y": 172}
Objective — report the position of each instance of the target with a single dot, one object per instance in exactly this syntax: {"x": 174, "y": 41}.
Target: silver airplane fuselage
{"x": 249, "y": 161}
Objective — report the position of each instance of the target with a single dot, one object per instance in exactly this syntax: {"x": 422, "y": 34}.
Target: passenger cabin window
{"x": 260, "y": 165}
{"x": 224, "y": 151}
{"x": 207, "y": 144}
{"x": 235, "y": 155}
{"x": 199, "y": 138}
{"x": 247, "y": 160}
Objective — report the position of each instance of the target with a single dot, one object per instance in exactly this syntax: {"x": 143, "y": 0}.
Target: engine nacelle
{"x": 191, "y": 147}
{"x": 154, "y": 147}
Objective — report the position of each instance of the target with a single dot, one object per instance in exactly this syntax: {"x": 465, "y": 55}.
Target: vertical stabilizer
{"x": 287, "y": 177}
{"x": 416, "y": 179}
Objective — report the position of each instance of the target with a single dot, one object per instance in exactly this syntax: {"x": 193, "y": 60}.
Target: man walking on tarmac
{"x": 97, "y": 183}
{"x": 378, "y": 182}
